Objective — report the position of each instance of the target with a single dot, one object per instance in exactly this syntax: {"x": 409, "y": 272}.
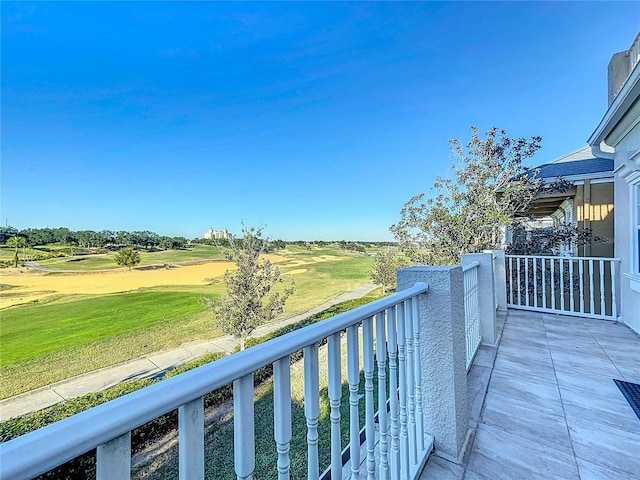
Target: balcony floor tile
{"x": 551, "y": 409}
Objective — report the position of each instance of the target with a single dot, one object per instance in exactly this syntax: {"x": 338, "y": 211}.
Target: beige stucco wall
{"x": 594, "y": 205}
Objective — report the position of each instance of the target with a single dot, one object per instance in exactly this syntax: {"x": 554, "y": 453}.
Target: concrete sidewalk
{"x": 152, "y": 365}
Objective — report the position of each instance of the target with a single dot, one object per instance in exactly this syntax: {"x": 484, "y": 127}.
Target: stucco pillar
{"x": 486, "y": 295}
{"x": 443, "y": 357}
{"x": 499, "y": 279}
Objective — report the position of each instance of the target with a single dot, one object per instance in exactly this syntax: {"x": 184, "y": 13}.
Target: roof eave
{"x": 582, "y": 176}
{"x": 618, "y": 108}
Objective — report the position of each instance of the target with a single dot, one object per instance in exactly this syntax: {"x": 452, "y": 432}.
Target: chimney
{"x": 618, "y": 72}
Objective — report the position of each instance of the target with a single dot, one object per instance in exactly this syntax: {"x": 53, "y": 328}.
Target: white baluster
{"x": 312, "y": 408}
{"x": 511, "y": 280}
{"x": 467, "y": 313}
{"x": 561, "y": 267}
{"x": 526, "y": 280}
{"x": 581, "y": 274}
{"x": 592, "y": 291}
{"x": 113, "y": 459}
{"x": 571, "y": 287}
{"x": 418, "y": 373}
{"x": 553, "y": 283}
{"x": 243, "y": 428}
{"x": 191, "y": 440}
{"x": 544, "y": 283}
{"x": 335, "y": 394}
{"x": 402, "y": 383}
{"x": 392, "y": 344}
{"x": 383, "y": 417}
{"x": 370, "y": 429}
{"x": 353, "y": 377}
{"x": 614, "y": 305}
{"x": 519, "y": 281}
{"x": 282, "y": 414}
{"x": 535, "y": 281}
{"x": 603, "y": 310}
{"x": 411, "y": 383}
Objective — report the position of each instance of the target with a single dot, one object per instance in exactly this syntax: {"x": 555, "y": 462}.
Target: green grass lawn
{"x": 67, "y": 336}
{"x": 32, "y": 331}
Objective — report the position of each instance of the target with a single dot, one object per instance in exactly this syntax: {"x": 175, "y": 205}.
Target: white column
{"x": 394, "y": 427}
{"x": 282, "y": 414}
{"x": 486, "y": 294}
{"x": 312, "y": 408}
{"x": 191, "y": 440}
{"x": 367, "y": 360}
{"x": 443, "y": 356}
{"x": 335, "y": 394}
{"x": 243, "y": 428}
{"x": 113, "y": 460}
{"x": 383, "y": 417}
{"x": 353, "y": 378}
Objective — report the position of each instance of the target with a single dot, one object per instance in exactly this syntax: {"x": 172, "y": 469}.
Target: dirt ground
{"x": 23, "y": 285}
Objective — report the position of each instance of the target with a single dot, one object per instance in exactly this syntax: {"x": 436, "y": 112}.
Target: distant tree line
{"x": 109, "y": 239}
{"x": 104, "y": 239}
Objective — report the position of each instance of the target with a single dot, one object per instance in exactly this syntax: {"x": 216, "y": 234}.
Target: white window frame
{"x": 633, "y": 182}
{"x": 634, "y": 210}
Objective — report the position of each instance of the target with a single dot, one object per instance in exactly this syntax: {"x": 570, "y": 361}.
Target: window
{"x": 632, "y": 178}
{"x": 635, "y": 228}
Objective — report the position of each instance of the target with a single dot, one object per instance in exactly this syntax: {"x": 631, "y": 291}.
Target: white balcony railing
{"x": 579, "y": 286}
{"x": 390, "y": 335}
{"x": 471, "y": 311}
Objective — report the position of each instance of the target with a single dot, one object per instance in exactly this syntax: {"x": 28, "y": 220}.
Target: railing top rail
{"x": 469, "y": 266}
{"x": 37, "y": 452}
{"x": 563, "y": 257}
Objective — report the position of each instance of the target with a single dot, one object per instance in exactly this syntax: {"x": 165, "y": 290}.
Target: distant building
{"x": 216, "y": 234}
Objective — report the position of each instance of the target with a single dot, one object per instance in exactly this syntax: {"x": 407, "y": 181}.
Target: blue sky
{"x": 316, "y": 120}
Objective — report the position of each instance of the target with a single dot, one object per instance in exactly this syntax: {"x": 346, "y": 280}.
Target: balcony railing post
{"x": 243, "y": 428}
{"x": 500, "y": 279}
{"x": 113, "y": 459}
{"x": 486, "y": 294}
{"x": 442, "y": 356}
{"x": 191, "y": 440}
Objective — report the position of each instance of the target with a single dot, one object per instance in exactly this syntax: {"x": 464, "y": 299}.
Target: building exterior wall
{"x": 216, "y": 234}
{"x": 620, "y": 129}
{"x": 629, "y": 280}
{"x": 594, "y": 204}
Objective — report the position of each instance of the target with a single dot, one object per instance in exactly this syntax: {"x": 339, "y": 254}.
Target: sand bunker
{"x": 296, "y": 272}
{"x": 18, "y": 286}
{"x": 31, "y": 285}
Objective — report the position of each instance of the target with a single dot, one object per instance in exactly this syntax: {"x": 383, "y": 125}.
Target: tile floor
{"x": 551, "y": 409}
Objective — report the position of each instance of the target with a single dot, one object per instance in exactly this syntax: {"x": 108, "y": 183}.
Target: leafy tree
{"x": 127, "y": 257}
{"x": 7, "y": 232}
{"x": 63, "y": 235}
{"x": 384, "y": 269}
{"x": 250, "y": 300}
{"x": 16, "y": 242}
{"x": 39, "y": 236}
{"x": 277, "y": 245}
{"x": 123, "y": 238}
{"x": 490, "y": 188}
